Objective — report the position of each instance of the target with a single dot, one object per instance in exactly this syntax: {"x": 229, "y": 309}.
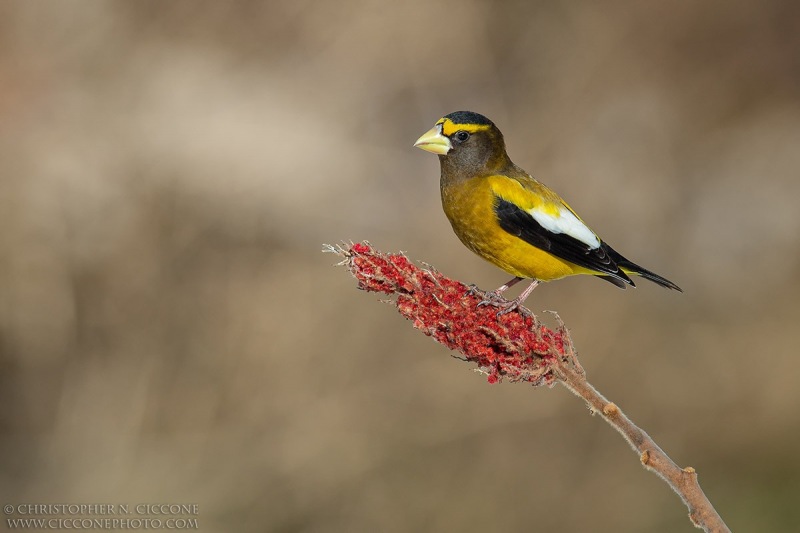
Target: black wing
{"x": 520, "y": 223}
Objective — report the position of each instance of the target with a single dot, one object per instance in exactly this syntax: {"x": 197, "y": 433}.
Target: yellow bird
{"x": 512, "y": 220}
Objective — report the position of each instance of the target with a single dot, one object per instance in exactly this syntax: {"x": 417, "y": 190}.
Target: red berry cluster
{"x": 514, "y": 345}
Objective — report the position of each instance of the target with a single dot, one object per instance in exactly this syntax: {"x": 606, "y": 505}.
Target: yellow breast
{"x": 469, "y": 205}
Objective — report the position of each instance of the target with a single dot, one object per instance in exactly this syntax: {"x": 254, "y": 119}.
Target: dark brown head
{"x": 468, "y": 145}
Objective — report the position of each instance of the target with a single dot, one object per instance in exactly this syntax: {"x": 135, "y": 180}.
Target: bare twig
{"x": 682, "y": 480}
{"x": 514, "y": 346}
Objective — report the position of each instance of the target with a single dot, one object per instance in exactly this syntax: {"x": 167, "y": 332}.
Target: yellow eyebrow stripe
{"x": 449, "y": 127}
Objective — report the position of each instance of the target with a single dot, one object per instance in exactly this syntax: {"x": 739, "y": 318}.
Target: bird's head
{"x": 467, "y": 144}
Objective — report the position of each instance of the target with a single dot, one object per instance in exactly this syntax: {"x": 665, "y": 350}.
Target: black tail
{"x": 633, "y": 268}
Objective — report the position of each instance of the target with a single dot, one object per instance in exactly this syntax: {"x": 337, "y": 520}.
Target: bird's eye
{"x": 462, "y": 136}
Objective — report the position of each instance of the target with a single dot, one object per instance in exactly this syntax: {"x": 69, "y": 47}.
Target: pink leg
{"x": 500, "y": 290}
{"x": 527, "y": 292}
{"x": 495, "y": 297}
{"x": 517, "y": 302}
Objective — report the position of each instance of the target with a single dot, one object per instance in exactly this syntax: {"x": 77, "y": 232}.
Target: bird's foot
{"x": 493, "y": 298}
{"x": 511, "y": 305}
{"x": 504, "y": 306}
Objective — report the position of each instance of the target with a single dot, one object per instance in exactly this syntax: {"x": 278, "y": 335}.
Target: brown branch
{"x": 682, "y": 480}
{"x": 513, "y": 346}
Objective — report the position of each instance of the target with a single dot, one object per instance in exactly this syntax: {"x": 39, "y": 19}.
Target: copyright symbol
{"x": 8, "y": 509}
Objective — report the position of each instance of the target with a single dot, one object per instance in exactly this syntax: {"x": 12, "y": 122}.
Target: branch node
{"x": 610, "y": 409}
{"x": 645, "y": 457}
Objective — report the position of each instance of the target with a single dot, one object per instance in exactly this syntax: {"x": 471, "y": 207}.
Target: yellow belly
{"x": 470, "y": 208}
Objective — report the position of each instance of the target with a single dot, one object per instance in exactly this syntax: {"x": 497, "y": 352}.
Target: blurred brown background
{"x": 170, "y": 331}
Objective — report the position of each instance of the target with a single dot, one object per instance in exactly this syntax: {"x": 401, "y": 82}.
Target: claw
{"x": 516, "y": 303}
{"x": 493, "y": 298}
{"x": 496, "y": 299}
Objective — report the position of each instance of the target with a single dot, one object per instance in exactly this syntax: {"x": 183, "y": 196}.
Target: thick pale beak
{"x": 433, "y": 141}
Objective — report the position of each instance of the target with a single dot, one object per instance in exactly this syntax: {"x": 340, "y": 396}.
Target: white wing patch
{"x": 566, "y": 222}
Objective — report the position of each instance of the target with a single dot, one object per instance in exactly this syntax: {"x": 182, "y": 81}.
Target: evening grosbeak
{"x": 512, "y": 220}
